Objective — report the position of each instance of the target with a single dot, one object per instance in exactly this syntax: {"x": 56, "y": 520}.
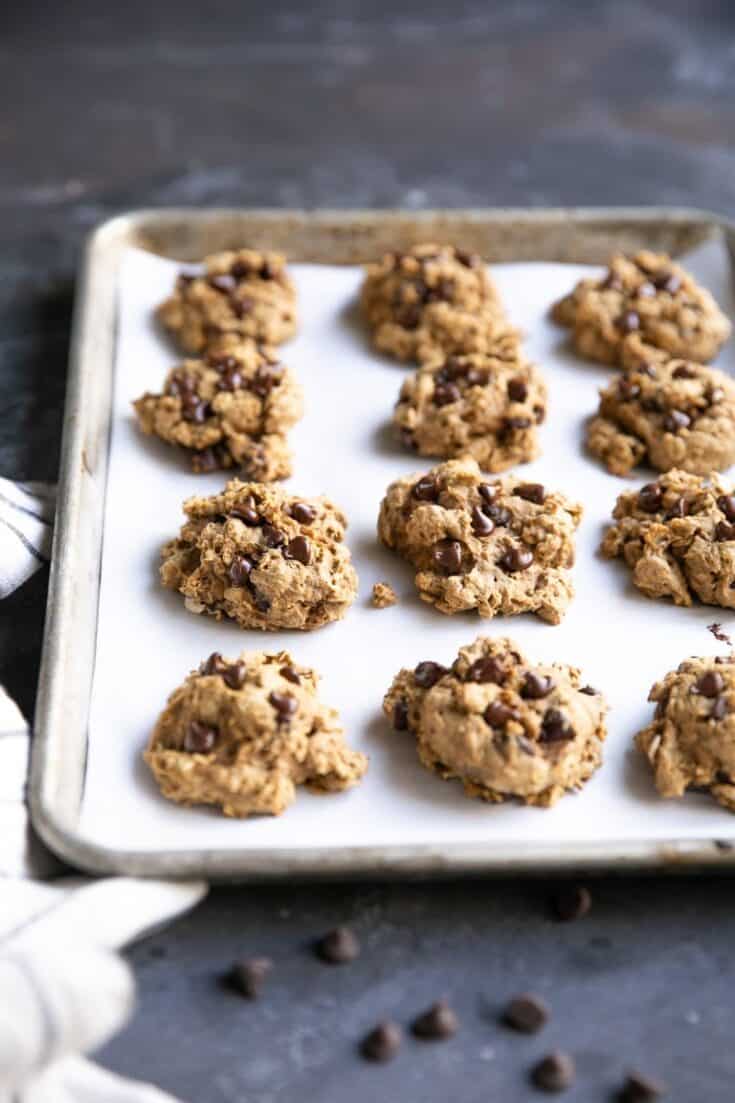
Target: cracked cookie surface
{"x": 400, "y": 291}
{"x": 241, "y": 292}
{"x": 502, "y": 546}
{"x": 486, "y": 406}
{"x": 677, "y": 535}
{"x": 263, "y": 557}
{"x": 505, "y": 727}
{"x": 230, "y": 409}
{"x": 242, "y": 734}
{"x": 646, "y": 296}
{"x": 690, "y": 743}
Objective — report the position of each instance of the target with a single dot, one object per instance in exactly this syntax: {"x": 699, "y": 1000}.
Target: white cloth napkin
{"x": 64, "y": 990}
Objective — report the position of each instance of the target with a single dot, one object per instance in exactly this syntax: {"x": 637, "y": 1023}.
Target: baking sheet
{"x": 147, "y": 642}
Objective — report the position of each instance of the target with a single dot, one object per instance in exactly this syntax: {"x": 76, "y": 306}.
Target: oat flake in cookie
{"x": 229, "y": 409}
{"x": 485, "y": 406}
{"x": 677, "y": 535}
{"x": 499, "y": 546}
{"x": 666, "y": 413}
{"x": 243, "y": 292}
{"x": 243, "y": 733}
{"x": 263, "y": 557}
{"x": 690, "y": 742}
{"x": 647, "y": 297}
{"x": 507, "y": 728}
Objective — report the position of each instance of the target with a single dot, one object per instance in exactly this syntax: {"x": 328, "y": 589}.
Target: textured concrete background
{"x": 105, "y": 107}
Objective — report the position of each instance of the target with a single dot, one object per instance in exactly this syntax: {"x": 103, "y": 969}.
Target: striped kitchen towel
{"x": 26, "y": 526}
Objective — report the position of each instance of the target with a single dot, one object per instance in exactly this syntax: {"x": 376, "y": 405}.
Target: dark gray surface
{"x": 104, "y": 107}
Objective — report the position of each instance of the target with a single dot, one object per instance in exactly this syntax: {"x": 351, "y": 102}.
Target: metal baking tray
{"x": 58, "y": 766}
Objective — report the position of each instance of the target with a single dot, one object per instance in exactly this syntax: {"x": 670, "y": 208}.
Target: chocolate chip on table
{"x": 436, "y": 1024}
{"x": 481, "y": 523}
{"x": 239, "y": 570}
{"x": 200, "y": 738}
{"x": 487, "y": 669}
{"x": 517, "y": 390}
{"x": 526, "y": 1014}
{"x": 299, "y": 549}
{"x": 215, "y": 664}
{"x": 531, "y": 492}
{"x": 447, "y": 554}
{"x": 428, "y": 673}
{"x": 497, "y": 714}
{"x": 303, "y": 513}
{"x": 248, "y": 977}
{"x": 290, "y": 675}
{"x": 555, "y": 727}
{"x": 650, "y": 497}
{"x": 446, "y": 393}
{"x": 383, "y": 1042}
{"x": 284, "y": 704}
{"x": 338, "y": 947}
{"x": 710, "y": 684}
{"x": 675, "y": 420}
{"x": 234, "y": 675}
{"x": 400, "y": 716}
{"x": 426, "y": 489}
{"x": 535, "y": 686}
{"x": 572, "y": 902}
{"x": 629, "y": 321}
{"x": 554, "y": 1073}
{"x": 717, "y": 631}
{"x": 516, "y": 559}
{"x": 724, "y": 531}
{"x": 273, "y": 537}
{"x": 726, "y": 502}
{"x": 639, "y": 1088}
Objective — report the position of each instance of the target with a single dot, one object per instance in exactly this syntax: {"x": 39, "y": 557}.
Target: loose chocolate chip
{"x": 724, "y": 531}
{"x": 299, "y": 549}
{"x": 726, "y": 503}
{"x": 290, "y": 675}
{"x": 710, "y": 684}
{"x": 590, "y": 691}
{"x": 239, "y": 571}
{"x": 481, "y": 523}
{"x": 447, "y": 554}
{"x": 535, "y": 686}
{"x": 427, "y": 674}
{"x": 273, "y": 537}
{"x": 426, "y": 489}
{"x": 488, "y": 492}
{"x": 498, "y": 714}
{"x": 683, "y": 372}
{"x": 572, "y": 902}
{"x": 247, "y": 977}
{"x": 303, "y": 513}
{"x": 555, "y": 727}
{"x": 554, "y": 1073}
{"x": 649, "y": 498}
{"x": 215, "y": 664}
{"x": 675, "y": 420}
{"x": 446, "y": 393}
{"x": 200, "y": 738}
{"x": 234, "y": 676}
{"x": 486, "y": 670}
{"x": 247, "y": 513}
{"x": 383, "y": 1042}
{"x": 526, "y": 1013}
{"x": 284, "y": 704}
{"x": 640, "y": 1089}
{"x": 629, "y": 321}
{"x": 438, "y": 1023}
{"x": 531, "y": 492}
{"x": 400, "y": 716}
{"x": 223, "y": 283}
{"x": 517, "y": 390}
{"x": 628, "y": 389}
{"x": 338, "y": 947}
{"x": 516, "y": 559}
{"x": 720, "y": 708}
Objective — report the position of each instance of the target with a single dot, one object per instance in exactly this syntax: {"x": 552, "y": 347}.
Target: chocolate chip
{"x": 535, "y": 686}
{"x": 477, "y": 378}
{"x": 262, "y": 603}
{"x": 516, "y": 559}
{"x": 498, "y": 714}
{"x": 667, "y": 281}
{"x": 554, "y": 1073}
{"x": 539, "y": 412}
{"x": 426, "y": 489}
{"x": 290, "y": 675}
{"x": 675, "y": 420}
{"x": 223, "y": 283}
{"x": 200, "y": 738}
{"x": 517, "y": 390}
{"x": 646, "y": 290}
{"x": 273, "y": 537}
{"x": 438, "y": 1023}
{"x": 234, "y": 676}
{"x": 526, "y": 1014}
{"x": 265, "y": 379}
{"x": 447, "y": 555}
{"x": 628, "y": 389}
{"x": 247, "y": 977}
{"x": 683, "y": 371}
{"x": 240, "y": 269}
{"x": 649, "y": 498}
{"x": 488, "y": 492}
{"x": 247, "y": 513}
{"x": 555, "y": 727}
{"x": 511, "y": 424}
{"x": 572, "y": 902}
{"x": 215, "y": 664}
{"x": 629, "y": 321}
{"x": 267, "y": 271}
{"x": 487, "y": 670}
{"x": 726, "y": 503}
{"x": 720, "y": 708}
{"x": 180, "y": 384}
{"x": 205, "y": 461}
{"x": 241, "y": 307}
{"x": 612, "y": 282}
{"x": 724, "y": 531}
{"x": 710, "y": 684}
{"x": 400, "y": 716}
{"x": 194, "y": 409}
{"x": 409, "y": 316}
{"x": 640, "y": 1089}
{"x": 446, "y": 393}
{"x": 427, "y": 674}
{"x": 383, "y": 1042}
{"x": 407, "y": 438}
{"x": 303, "y": 513}
{"x": 469, "y": 260}
{"x": 284, "y": 704}
{"x": 481, "y": 523}
{"x": 230, "y": 379}
{"x": 239, "y": 570}
{"x": 678, "y": 509}
{"x": 531, "y": 492}
{"x": 717, "y": 631}
{"x": 498, "y": 514}
{"x": 338, "y": 947}
{"x": 651, "y": 404}
{"x": 299, "y": 549}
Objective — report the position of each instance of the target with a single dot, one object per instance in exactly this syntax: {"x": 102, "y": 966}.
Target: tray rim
{"x": 54, "y": 782}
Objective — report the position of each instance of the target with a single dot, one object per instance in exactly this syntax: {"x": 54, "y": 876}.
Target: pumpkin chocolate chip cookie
{"x": 690, "y": 743}
{"x": 677, "y": 535}
{"x": 243, "y": 734}
{"x": 501, "y": 546}
{"x": 505, "y": 727}
{"x": 263, "y": 557}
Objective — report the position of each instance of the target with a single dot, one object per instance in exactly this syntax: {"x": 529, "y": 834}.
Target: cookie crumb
{"x": 719, "y": 634}
{"x": 383, "y": 595}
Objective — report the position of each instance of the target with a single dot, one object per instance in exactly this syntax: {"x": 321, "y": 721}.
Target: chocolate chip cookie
{"x": 487, "y": 406}
{"x": 677, "y": 535}
{"x": 505, "y": 727}
{"x": 666, "y": 413}
{"x": 448, "y": 330}
{"x": 501, "y": 546}
{"x": 263, "y": 557}
{"x": 399, "y": 289}
{"x": 228, "y": 410}
{"x": 648, "y": 296}
{"x": 242, "y": 734}
{"x": 240, "y": 292}
{"x": 690, "y": 743}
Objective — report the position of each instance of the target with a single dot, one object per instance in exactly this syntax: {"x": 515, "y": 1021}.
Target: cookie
{"x": 398, "y": 290}
{"x": 485, "y": 406}
{"x": 677, "y": 535}
{"x": 690, "y": 743}
{"x": 647, "y": 296}
{"x": 242, "y": 734}
{"x": 242, "y": 292}
{"x": 666, "y": 413}
{"x": 447, "y": 330}
{"x": 265, "y": 558}
{"x": 228, "y": 410}
{"x": 503, "y": 546}
{"x": 505, "y": 727}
